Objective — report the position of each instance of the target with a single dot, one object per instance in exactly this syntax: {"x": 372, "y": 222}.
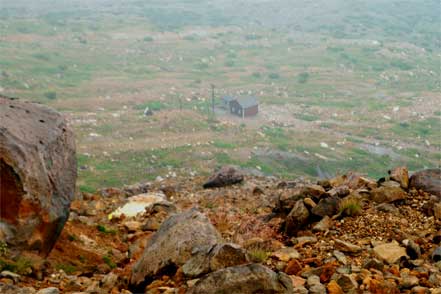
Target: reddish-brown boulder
{"x": 37, "y": 175}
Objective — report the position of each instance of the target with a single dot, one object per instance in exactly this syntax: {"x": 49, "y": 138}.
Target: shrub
{"x": 148, "y": 39}
{"x": 349, "y": 206}
{"x": 274, "y": 76}
{"x": 303, "y": 77}
{"x": 51, "y": 95}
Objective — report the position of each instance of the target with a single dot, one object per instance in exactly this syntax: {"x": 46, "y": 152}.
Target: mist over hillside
{"x": 340, "y": 84}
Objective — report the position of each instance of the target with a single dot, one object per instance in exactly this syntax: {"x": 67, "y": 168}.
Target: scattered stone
{"x": 288, "y": 199}
{"x": 37, "y": 174}
{"x": 173, "y": 244}
{"x": 309, "y": 203}
{"x": 286, "y": 254}
{"x": 314, "y": 285}
{"x": 428, "y": 180}
{"x": 412, "y": 249}
{"x": 334, "y": 288}
{"x": 408, "y": 281}
{"x": 420, "y": 290}
{"x": 138, "y": 204}
{"x": 243, "y": 279}
{"x": 50, "y": 290}
{"x": 297, "y": 218}
{"x": 11, "y": 275}
{"x": 340, "y": 257}
{"x": 347, "y": 282}
{"x": 136, "y": 189}
{"x": 387, "y": 207}
{"x": 323, "y": 225}
{"x": 340, "y": 191}
{"x": 374, "y": 263}
{"x": 326, "y": 206}
{"x": 400, "y": 175}
{"x": 12, "y": 289}
{"x": 293, "y": 267}
{"x": 388, "y": 194}
{"x": 390, "y": 252}
{"x": 346, "y": 246}
{"x": 226, "y": 176}
{"x": 212, "y": 258}
{"x": 436, "y": 254}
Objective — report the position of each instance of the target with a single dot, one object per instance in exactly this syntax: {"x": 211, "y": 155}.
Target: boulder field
{"x": 229, "y": 233}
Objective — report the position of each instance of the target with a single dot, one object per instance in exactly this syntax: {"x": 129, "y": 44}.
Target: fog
{"x": 336, "y": 85}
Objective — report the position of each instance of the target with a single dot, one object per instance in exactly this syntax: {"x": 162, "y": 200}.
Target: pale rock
{"x": 346, "y": 246}
{"x": 390, "y": 252}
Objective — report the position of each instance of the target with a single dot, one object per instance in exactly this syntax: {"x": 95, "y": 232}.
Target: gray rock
{"x": 37, "y": 174}
{"x": 287, "y": 200}
{"x": 11, "y": 275}
{"x": 12, "y": 289}
{"x": 173, "y": 243}
{"x": 400, "y": 175}
{"x": 212, "y": 258}
{"x": 347, "y": 282}
{"x": 340, "y": 257}
{"x": 243, "y": 279}
{"x": 50, "y": 290}
{"x": 346, "y": 246}
{"x": 436, "y": 254}
{"x": 326, "y": 206}
{"x": 388, "y": 194}
{"x": 297, "y": 218}
{"x": 413, "y": 250}
{"x": 387, "y": 207}
{"x": 314, "y": 285}
{"x": 374, "y": 263}
{"x": 226, "y": 176}
{"x": 323, "y": 225}
{"x": 390, "y": 252}
{"x": 428, "y": 180}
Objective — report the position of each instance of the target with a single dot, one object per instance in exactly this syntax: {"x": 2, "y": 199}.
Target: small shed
{"x": 226, "y": 100}
{"x": 244, "y": 106}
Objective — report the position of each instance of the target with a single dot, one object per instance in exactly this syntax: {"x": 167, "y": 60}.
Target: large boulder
{"x": 243, "y": 279}
{"x": 401, "y": 175}
{"x": 388, "y": 193}
{"x": 37, "y": 175}
{"x": 297, "y": 218}
{"x": 428, "y": 180}
{"x": 173, "y": 244}
{"x": 226, "y": 176}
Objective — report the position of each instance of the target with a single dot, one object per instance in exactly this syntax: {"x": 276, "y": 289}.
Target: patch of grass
{"x": 67, "y": 268}
{"x": 349, "y": 206}
{"x": 223, "y": 145}
{"x": 105, "y": 230}
{"x": 108, "y": 260}
{"x": 51, "y": 95}
{"x": 307, "y": 117}
{"x": 258, "y": 255}
{"x": 303, "y": 77}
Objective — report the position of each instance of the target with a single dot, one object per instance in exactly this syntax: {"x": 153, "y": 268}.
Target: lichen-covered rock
{"x": 428, "y": 180}
{"x": 243, "y": 279}
{"x": 173, "y": 244}
{"x": 37, "y": 175}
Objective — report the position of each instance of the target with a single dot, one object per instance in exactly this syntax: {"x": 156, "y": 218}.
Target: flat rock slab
{"x": 173, "y": 244}
{"x": 390, "y": 252}
{"x": 243, "y": 279}
{"x": 37, "y": 175}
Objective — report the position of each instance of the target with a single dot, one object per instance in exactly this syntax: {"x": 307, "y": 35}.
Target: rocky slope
{"x": 349, "y": 234}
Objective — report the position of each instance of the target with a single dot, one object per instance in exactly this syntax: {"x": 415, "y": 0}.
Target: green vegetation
{"x": 105, "y": 230}
{"x": 349, "y": 206}
{"x": 316, "y": 81}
